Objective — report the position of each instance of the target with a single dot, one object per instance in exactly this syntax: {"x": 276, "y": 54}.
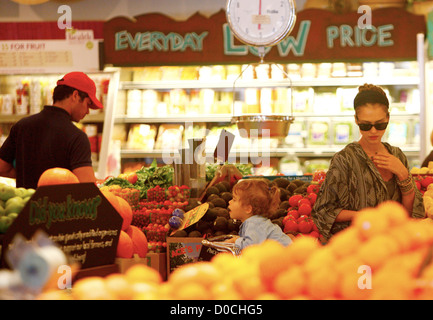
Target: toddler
{"x": 253, "y": 202}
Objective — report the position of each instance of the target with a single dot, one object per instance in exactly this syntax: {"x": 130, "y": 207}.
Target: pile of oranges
{"x": 382, "y": 255}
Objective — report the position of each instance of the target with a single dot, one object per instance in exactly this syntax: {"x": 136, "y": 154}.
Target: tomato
{"x": 305, "y": 224}
{"x": 290, "y": 226}
{"x": 132, "y": 177}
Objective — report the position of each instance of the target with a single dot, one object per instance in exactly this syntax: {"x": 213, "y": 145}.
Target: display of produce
{"x": 392, "y": 267}
{"x": 12, "y": 201}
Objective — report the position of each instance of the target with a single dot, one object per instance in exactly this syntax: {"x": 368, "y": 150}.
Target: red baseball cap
{"x": 81, "y": 81}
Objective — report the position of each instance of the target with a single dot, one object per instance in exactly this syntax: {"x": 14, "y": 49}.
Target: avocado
{"x": 220, "y": 224}
{"x": 221, "y": 187}
{"x": 219, "y": 202}
{"x": 292, "y": 186}
{"x": 226, "y": 196}
{"x": 202, "y": 225}
{"x": 282, "y": 182}
{"x": 283, "y": 194}
{"x": 300, "y": 190}
{"x": 210, "y": 215}
{"x": 298, "y": 182}
{"x": 284, "y": 205}
{"x": 212, "y": 190}
{"x": 226, "y": 184}
{"x": 194, "y": 233}
{"x": 233, "y": 225}
{"x": 222, "y": 212}
{"x": 211, "y": 197}
{"x": 180, "y": 234}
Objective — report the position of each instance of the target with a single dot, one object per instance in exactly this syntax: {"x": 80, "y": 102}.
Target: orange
{"x": 250, "y": 287}
{"x": 139, "y": 241}
{"x": 55, "y": 295}
{"x": 145, "y": 291}
{"x": 91, "y": 288}
{"x": 143, "y": 273}
{"x": 57, "y": 175}
{"x": 274, "y": 259}
{"x": 204, "y": 273}
{"x": 124, "y": 209}
{"x": 302, "y": 248}
{"x": 370, "y": 222}
{"x": 125, "y": 247}
{"x": 319, "y": 259}
{"x": 322, "y": 284}
{"x": 111, "y": 197}
{"x": 350, "y": 289}
{"x": 224, "y": 290}
{"x": 394, "y": 211}
{"x": 290, "y": 283}
{"x": 345, "y": 243}
{"x": 192, "y": 291}
{"x": 392, "y": 285}
{"x": 377, "y": 250}
{"x": 118, "y": 286}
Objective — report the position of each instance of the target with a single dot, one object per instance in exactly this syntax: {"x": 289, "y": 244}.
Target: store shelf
{"x": 311, "y": 151}
{"x": 269, "y": 83}
{"x": 174, "y": 119}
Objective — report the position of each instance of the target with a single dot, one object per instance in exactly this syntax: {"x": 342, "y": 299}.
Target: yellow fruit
{"x": 143, "y": 273}
{"x": 290, "y": 283}
{"x": 91, "y": 288}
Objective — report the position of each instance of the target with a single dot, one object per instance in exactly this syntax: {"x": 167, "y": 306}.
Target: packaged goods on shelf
{"x": 189, "y": 73}
{"x": 296, "y": 135}
{"x": 277, "y": 72}
{"x": 266, "y": 100}
{"x": 142, "y": 137}
{"x": 318, "y": 133}
{"x": 325, "y": 102}
{"x": 233, "y": 72}
{"x": 282, "y": 101}
{"x": 324, "y": 70}
{"x": 248, "y": 72}
{"x": 397, "y": 133}
{"x": 178, "y": 100}
{"x": 171, "y": 73}
{"x": 370, "y": 69}
{"x": 308, "y": 70}
{"x": 133, "y": 107}
{"x": 223, "y": 103}
{"x": 354, "y": 70}
{"x": 169, "y": 137}
{"x": 207, "y": 100}
{"x": 35, "y": 92}
{"x": 147, "y": 74}
{"x": 193, "y": 106}
{"x": 303, "y": 99}
{"x": 294, "y": 71}
{"x": 92, "y": 133}
{"x": 7, "y": 104}
{"x": 289, "y": 165}
{"x": 262, "y": 71}
{"x": 218, "y": 73}
{"x": 386, "y": 69}
{"x": 345, "y": 97}
{"x": 339, "y": 69}
{"x": 205, "y": 73}
{"x": 22, "y": 96}
{"x": 343, "y": 133}
{"x": 150, "y": 99}
{"x": 252, "y": 101}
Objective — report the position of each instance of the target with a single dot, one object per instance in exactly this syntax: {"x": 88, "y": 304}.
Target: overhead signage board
{"x": 319, "y": 35}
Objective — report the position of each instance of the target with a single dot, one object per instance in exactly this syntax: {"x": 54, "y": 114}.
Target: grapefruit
{"x": 125, "y": 247}
{"x": 139, "y": 241}
{"x": 54, "y": 176}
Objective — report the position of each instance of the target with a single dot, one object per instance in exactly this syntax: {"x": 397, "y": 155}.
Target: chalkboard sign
{"x": 77, "y": 217}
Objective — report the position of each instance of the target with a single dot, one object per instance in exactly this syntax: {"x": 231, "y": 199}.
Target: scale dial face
{"x": 261, "y": 23}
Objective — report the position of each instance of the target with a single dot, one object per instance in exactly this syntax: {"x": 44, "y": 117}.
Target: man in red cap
{"x": 49, "y": 138}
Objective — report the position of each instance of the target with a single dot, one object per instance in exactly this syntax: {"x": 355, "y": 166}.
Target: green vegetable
{"x": 211, "y": 168}
{"x": 152, "y": 176}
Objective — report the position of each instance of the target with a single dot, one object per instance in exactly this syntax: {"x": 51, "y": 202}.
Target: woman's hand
{"x": 391, "y": 163}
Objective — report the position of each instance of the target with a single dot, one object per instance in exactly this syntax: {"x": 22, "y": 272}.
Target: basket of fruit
{"x": 131, "y": 195}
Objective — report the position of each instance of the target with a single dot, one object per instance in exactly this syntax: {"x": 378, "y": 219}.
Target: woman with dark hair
{"x": 367, "y": 172}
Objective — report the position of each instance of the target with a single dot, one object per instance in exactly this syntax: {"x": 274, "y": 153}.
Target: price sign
{"x": 77, "y": 217}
